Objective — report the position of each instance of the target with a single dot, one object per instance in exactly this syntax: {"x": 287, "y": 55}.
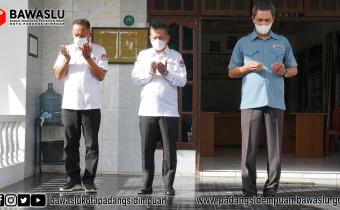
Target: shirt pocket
{"x": 278, "y": 55}
{"x": 251, "y": 55}
{"x": 95, "y": 58}
{"x": 172, "y": 66}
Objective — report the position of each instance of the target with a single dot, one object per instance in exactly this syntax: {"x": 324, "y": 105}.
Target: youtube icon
{"x": 38, "y": 200}
{"x": 2, "y": 17}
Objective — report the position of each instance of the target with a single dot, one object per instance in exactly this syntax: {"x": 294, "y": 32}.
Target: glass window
{"x": 292, "y": 3}
{"x": 210, "y": 4}
{"x": 189, "y": 65}
{"x": 186, "y": 129}
{"x": 278, "y": 3}
{"x": 313, "y": 5}
{"x": 174, "y": 36}
{"x": 174, "y": 4}
{"x": 188, "y": 5}
{"x": 329, "y": 5}
{"x": 188, "y": 38}
{"x": 225, "y": 4}
{"x": 240, "y": 4}
{"x": 159, "y": 4}
{"x": 187, "y": 98}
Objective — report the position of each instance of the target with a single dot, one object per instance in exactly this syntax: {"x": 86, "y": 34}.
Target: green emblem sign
{"x": 129, "y": 20}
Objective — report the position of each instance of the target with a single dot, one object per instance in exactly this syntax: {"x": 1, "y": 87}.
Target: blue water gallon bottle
{"x": 50, "y": 105}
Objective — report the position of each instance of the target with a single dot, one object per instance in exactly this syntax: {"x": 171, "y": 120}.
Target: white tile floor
{"x": 226, "y": 162}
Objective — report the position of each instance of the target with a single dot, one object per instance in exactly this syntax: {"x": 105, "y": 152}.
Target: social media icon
{"x": 24, "y": 200}
{"x": 2, "y": 200}
{"x": 38, "y": 200}
{"x": 11, "y": 200}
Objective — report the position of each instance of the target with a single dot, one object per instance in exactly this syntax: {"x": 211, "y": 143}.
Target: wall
{"x": 33, "y": 90}
{"x": 13, "y": 73}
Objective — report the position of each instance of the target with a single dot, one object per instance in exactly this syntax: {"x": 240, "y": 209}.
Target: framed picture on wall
{"x": 215, "y": 47}
{"x": 122, "y": 45}
{"x": 32, "y": 45}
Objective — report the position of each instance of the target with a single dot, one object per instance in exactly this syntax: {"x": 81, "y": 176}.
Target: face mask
{"x": 263, "y": 29}
{"x": 79, "y": 41}
{"x": 158, "y": 44}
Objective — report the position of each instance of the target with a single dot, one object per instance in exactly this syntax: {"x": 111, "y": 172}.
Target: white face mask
{"x": 158, "y": 44}
{"x": 79, "y": 41}
{"x": 263, "y": 29}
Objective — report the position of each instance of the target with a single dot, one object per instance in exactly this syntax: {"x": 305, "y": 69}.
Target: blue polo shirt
{"x": 264, "y": 88}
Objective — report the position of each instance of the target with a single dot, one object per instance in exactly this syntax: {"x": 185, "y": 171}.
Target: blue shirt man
{"x": 262, "y": 59}
{"x": 264, "y": 88}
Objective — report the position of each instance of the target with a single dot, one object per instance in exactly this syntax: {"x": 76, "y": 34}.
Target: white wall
{"x": 13, "y": 56}
{"x": 33, "y": 90}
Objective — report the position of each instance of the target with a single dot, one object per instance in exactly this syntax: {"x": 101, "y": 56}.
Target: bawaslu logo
{"x": 36, "y": 17}
{"x": 2, "y": 17}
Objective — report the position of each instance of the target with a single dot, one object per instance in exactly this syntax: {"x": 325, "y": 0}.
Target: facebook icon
{"x": 2, "y": 202}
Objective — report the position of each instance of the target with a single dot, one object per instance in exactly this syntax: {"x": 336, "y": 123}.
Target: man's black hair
{"x": 159, "y": 25}
{"x": 82, "y": 22}
{"x": 263, "y": 5}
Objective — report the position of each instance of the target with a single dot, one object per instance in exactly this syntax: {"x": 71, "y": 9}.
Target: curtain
{"x": 329, "y": 73}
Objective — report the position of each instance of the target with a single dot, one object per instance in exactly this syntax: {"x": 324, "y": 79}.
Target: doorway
{"x": 304, "y": 95}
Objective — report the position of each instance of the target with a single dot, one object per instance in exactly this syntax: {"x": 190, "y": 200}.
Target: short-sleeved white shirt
{"x": 159, "y": 95}
{"x": 81, "y": 88}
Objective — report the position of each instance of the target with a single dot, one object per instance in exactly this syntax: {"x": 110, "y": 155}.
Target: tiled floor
{"x": 187, "y": 190}
{"x": 320, "y": 177}
{"x": 226, "y": 162}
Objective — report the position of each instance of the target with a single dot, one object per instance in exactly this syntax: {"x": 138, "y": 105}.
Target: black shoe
{"x": 145, "y": 191}
{"x": 90, "y": 187}
{"x": 248, "y": 194}
{"x": 170, "y": 191}
{"x": 269, "y": 193}
{"x": 70, "y": 186}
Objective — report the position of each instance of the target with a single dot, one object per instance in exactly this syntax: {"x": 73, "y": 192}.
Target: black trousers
{"x": 76, "y": 121}
{"x": 252, "y": 121}
{"x": 150, "y": 127}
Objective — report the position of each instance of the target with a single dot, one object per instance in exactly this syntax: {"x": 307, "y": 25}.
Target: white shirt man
{"x": 159, "y": 94}
{"x": 81, "y": 87}
{"x": 83, "y": 65}
{"x": 160, "y": 71}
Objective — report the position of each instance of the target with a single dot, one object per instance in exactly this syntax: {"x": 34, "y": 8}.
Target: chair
{"x": 334, "y": 131}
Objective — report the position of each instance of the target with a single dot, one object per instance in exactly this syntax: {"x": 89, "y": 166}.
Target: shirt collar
{"x": 166, "y": 51}
{"x": 254, "y": 35}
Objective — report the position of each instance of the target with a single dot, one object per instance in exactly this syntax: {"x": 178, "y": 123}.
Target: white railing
{"x": 12, "y": 140}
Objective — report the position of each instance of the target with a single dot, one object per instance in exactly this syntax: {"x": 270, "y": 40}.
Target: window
{"x": 322, "y": 8}
{"x": 225, "y": 7}
{"x": 287, "y": 8}
{"x": 172, "y": 7}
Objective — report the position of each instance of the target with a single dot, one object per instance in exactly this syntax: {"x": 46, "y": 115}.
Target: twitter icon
{"x": 24, "y": 200}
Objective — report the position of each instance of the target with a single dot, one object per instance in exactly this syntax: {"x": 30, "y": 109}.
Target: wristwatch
{"x": 285, "y": 74}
